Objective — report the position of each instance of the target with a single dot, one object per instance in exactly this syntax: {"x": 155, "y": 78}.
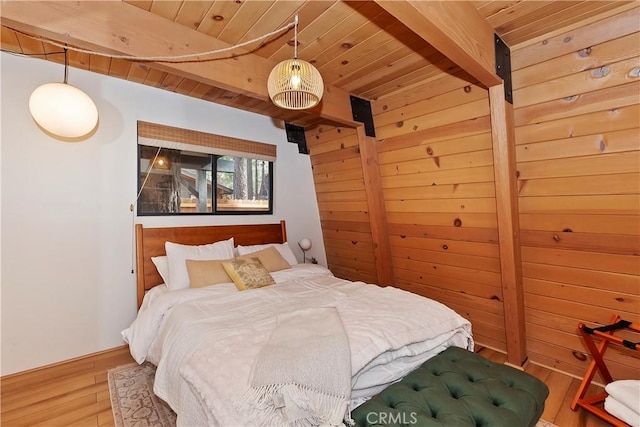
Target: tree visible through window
{"x": 243, "y": 184}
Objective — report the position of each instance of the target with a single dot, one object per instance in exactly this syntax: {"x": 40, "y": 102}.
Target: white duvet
{"x": 205, "y": 341}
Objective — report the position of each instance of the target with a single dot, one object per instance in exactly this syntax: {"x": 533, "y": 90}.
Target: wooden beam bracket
{"x": 503, "y": 66}
{"x": 295, "y": 134}
{"x": 361, "y": 110}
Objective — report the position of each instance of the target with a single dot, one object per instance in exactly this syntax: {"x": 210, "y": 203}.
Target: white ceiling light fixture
{"x": 295, "y": 84}
{"x": 62, "y": 109}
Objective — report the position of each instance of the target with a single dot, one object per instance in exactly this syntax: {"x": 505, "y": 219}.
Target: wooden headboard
{"x": 150, "y": 243}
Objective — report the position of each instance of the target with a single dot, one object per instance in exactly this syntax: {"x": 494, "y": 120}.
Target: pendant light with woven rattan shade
{"x": 295, "y": 84}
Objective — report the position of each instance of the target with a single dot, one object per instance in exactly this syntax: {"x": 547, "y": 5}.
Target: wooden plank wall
{"x": 577, "y": 112}
{"x": 576, "y": 99}
{"x": 342, "y": 201}
{"x": 436, "y": 164}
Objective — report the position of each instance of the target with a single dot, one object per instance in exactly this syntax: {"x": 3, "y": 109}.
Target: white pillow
{"x": 283, "y": 248}
{"x": 162, "y": 265}
{"x": 179, "y": 254}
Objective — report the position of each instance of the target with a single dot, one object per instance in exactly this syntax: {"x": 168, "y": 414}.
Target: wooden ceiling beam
{"x": 456, "y": 29}
{"x": 120, "y": 28}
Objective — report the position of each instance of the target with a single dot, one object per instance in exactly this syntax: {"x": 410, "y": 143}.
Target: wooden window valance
{"x": 170, "y": 137}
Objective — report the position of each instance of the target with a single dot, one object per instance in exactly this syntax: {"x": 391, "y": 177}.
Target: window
{"x": 243, "y": 184}
{"x": 181, "y": 179}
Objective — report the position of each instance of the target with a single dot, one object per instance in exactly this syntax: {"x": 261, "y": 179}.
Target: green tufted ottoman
{"x": 457, "y": 388}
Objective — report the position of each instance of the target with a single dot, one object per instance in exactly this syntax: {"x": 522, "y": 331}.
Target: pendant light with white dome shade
{"x": 62, "y": 109}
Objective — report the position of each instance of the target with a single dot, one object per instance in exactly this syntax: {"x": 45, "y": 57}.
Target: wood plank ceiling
{"x": 357, "y": 46}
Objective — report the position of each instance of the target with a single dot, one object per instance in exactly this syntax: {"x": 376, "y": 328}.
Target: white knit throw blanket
{"x": 303, "y": 375}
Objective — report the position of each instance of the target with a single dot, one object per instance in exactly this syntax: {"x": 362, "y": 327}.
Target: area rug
{"x": 135, "y": 405}
{"x": 132, "y": 399}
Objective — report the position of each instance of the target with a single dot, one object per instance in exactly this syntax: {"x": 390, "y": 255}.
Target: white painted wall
{"x": 67, "y": 287}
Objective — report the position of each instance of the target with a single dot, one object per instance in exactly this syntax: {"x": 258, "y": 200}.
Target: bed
{"x": 219, "y": 351}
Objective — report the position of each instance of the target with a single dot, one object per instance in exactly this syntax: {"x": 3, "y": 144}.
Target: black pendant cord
{"x": 66, "y": 66}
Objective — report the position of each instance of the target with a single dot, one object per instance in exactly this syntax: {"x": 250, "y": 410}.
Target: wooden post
{"x": 375, "y": 202}
{"x": 504, "y": 166}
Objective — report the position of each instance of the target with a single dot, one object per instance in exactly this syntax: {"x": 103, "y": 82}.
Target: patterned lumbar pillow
{"x": 248, "y": 273}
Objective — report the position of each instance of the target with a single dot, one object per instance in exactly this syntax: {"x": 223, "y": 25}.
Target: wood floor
{"x": 76, "y": 393}
{"x": 562, "y": 389}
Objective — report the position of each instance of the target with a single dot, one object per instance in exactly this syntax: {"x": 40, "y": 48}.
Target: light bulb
{"x": 295, "y": 82}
